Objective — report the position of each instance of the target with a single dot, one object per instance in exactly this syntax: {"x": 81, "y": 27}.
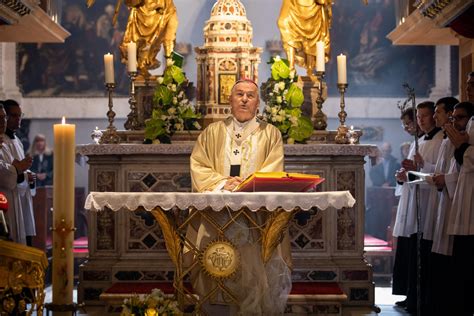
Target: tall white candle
{"x": 341, "y": 69}
{"x": 320, "y": 57}
{"x": 63, "y": 213}
{"x": 132, "y": 57}
{"x": 109, "y": 68}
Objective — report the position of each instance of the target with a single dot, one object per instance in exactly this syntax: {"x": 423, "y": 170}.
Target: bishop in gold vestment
{"x": 225, "y": 153}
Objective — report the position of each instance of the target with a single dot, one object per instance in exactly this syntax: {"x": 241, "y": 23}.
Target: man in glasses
{"x": 24, "y": 225}
{"x": 461, "y": 216}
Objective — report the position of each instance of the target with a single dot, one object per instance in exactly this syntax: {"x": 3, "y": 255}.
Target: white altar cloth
{"x": 217, "y": 201}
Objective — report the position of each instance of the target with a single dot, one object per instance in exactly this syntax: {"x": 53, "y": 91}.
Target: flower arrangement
{"x": 152, "y": 304}
{"x": 172, "y": 110}
{"x": 283, "y": 100}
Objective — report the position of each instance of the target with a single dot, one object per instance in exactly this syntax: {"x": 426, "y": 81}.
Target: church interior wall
{"x": 363, "y": 110}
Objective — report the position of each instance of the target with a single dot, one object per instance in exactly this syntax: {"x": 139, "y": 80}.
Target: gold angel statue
{"x": 302, "y": 23}
{"x": 151, "y": 23}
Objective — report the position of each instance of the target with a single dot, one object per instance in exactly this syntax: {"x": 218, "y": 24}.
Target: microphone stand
{"x": 411, "y": 97}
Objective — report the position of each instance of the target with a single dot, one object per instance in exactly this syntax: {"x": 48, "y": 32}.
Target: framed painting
{"x": 226, "y": 82}
{"x": 75, "y": 67}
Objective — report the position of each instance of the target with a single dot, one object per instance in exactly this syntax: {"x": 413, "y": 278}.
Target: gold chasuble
{"x": 258, "y": 144}
{"x": 261, "y": 289}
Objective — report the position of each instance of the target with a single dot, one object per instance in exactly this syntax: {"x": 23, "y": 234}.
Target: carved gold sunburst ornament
{"x": 220, "y": 259}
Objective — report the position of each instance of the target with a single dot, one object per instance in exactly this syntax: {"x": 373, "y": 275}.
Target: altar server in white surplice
{"x": 461, "y": 216}
{"x": 439, "y": 204}
{"x": 225, "y": 153}
{"x": 425, "y": 160}
{"x": 12, "y": 151}
{"x": 404, "y": 190}
{"x": 443, "y": 111}
{"x": 11, "y": 171}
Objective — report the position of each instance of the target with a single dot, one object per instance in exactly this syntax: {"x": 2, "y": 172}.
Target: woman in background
{"x": 42, "y": 161}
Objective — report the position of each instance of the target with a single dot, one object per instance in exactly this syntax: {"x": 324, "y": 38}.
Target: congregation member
{"x": 461, "y": 216}
{"x": 42, "y": 161}
{"x": 382, "y": 174}
{"x": 225, "y": 153}
{"x": 13, "y": 175}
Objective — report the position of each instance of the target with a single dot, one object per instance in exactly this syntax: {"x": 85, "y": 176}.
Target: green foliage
{"x": 172, "y": 110}
{"x": 283, "y": 100}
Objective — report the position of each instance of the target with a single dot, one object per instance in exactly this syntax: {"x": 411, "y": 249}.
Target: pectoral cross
{"x": 238, "y": 135}
{"x": 236, "y": 152}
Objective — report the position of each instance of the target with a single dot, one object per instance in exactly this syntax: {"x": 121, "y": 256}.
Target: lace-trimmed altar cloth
{"x": 217, "y": 201}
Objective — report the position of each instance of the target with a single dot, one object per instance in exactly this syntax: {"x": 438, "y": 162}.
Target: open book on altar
{"x": 279, "y": 182}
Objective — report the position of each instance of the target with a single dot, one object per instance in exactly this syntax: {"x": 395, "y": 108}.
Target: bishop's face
{"x": 244, "y": 101}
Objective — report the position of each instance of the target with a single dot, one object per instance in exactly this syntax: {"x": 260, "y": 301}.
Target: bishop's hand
{"x": 232, "y": 183}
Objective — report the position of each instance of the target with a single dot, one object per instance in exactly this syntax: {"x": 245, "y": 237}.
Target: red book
{"x": 279, "y": 182}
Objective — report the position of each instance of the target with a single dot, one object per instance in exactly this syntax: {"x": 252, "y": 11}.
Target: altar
{"x": 221, "y": 261}
{"x": 124, "y": 246}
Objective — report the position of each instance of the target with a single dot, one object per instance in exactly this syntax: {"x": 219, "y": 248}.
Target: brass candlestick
{"x": 341, "y": 136}
{"x": 110, "y": 135}
{"x": 319, "y": 118}
{"x": 132, "y": 117}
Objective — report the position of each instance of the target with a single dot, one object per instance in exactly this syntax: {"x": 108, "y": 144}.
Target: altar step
{"x": 380, "y": 254}
{"x": 306, "y": 298}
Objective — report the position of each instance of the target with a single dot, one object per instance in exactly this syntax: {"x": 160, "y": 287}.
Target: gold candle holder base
{"x": 132, "y": 117}
{"x": 110, "y": 135}
{"x": 341, "y": 136}
{"x": 319, "y": 118}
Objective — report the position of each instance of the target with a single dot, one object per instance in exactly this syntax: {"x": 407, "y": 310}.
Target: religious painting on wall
{"x": 76, "y": 67}
{"x": 374, "y": 66}
{"x": 226, "y": 81}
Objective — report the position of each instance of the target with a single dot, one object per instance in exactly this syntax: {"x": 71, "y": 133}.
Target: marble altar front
{"x": 125, "y": 246}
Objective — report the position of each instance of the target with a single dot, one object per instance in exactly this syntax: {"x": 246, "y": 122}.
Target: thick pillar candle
{"x": 320, "y": 57}
{"x": 109, "y": 68}
{"x": 132, "y": 57}
{"x": 63, "y": 214}
{"x": 341, "y": 69}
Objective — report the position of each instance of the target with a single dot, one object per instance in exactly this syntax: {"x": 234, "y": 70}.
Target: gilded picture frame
{"x": 226, "y": 82}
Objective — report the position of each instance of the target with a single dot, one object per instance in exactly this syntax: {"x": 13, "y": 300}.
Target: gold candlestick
{"x": 341, "y": 136}
{"x": 132, "y": 117}
{"x": 319, "y": 118}
{"x": 110, "y": 135}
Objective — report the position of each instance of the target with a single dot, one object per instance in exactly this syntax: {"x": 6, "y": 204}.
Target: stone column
{"x": 442, "y": 87}
{"x": 8, "y": 83}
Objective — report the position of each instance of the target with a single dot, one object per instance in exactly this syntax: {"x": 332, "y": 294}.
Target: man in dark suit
{"x": 383, "y": 174}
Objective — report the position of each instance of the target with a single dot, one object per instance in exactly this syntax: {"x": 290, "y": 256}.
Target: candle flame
{"x": 63, "y": 121}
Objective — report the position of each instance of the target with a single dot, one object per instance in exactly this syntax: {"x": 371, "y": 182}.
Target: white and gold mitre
{"x": 228, "y": 25}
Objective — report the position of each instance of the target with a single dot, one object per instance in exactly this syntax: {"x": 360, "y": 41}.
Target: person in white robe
{"x": 424, "y": 160}
{"x": 461, "y": 216}
{"x": 443, "y": 111}
{"x": 404, "y": 190}
{"x": 12, "y": 151}
{"x": 225, "y": 153}
{"x": 439, "y": 204}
